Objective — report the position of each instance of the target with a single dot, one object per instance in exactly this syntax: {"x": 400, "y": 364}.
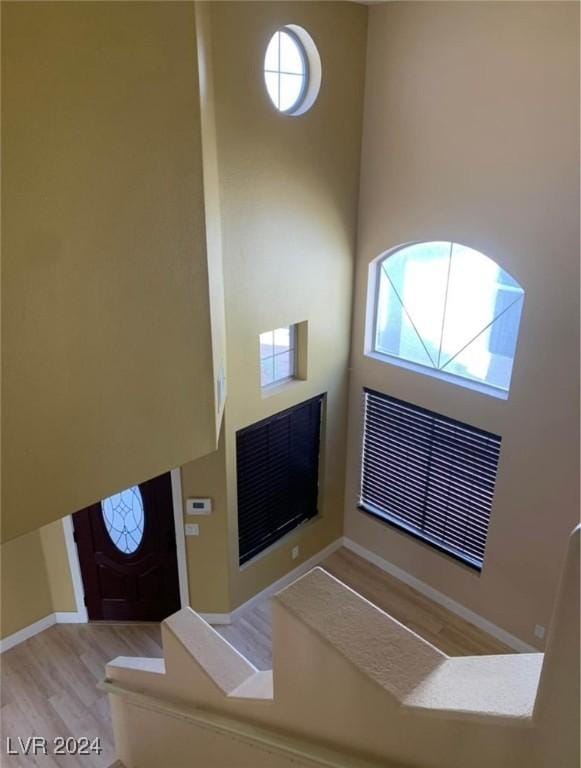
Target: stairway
{"x": 350, "y": 688}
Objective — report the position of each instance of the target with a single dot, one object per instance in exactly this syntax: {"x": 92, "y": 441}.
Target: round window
{"x": 124, "y": 519}
{"x": 292, "y": 70}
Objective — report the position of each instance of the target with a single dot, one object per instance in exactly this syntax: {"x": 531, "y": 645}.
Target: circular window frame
{"x": 312, "y": 70}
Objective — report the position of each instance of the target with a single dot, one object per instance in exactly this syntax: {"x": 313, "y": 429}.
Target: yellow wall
{"x": 207, "y": 554}
{"x": 57, "y": 567}
{"x": 35, "y": 578}
{"x": 471, "y": 134}
{"x": 288, "y": 196}
{"x": 25, "y": 590}
{"x": 213, "y": 214}
{"x": 107, "y": 346}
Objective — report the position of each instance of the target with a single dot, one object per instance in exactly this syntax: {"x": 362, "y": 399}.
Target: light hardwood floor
{"x": 49, "y": 682}
{"x": 250, "y": 634}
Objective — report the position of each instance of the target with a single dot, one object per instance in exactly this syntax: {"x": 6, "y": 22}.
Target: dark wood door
{"x": 127, "y": 552}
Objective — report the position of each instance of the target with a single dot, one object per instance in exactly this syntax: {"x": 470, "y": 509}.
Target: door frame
{"x": 75, "y": 566}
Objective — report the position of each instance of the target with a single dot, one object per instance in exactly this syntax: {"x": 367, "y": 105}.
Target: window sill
{"x": 280, "y": 386}
{"x": 423, "y": 539}
{"x": 280, "y": 542}
{"x": 475, "y": 386}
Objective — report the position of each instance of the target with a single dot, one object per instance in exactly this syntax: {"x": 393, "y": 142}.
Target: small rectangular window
{"x": 277, "y": 462}
{"x": 278, "y": 352}
{"x": 428, "y": 475}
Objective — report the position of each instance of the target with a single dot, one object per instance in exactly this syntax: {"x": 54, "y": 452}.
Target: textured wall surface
{"x": 26, "y": 594}
{"x": 57, "y": 567}
{"x": 107, "y": 345}
{"x": 471, "y": 134}
{"x": 288, "y": 198}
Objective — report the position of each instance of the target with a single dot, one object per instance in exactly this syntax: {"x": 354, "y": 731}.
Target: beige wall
{"x": 288, "y": 190}
{"x": 471, "y": 134}
{"x": 58, "y": 572}
{"x": 207, "y": 554}
{"x": 213, "y": 214}
{"x": 35, "y": 578}
{"x": 107, "y": 347}
{"x": 25, "y": 590}
{"x": 559, "y": 691}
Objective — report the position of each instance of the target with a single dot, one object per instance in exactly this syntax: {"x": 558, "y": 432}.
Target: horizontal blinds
{"x": 428, "y": 474}
{"x": 277, "y": 463}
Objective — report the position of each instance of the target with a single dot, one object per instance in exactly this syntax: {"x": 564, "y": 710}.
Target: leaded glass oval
{"x": 124, "y": 519}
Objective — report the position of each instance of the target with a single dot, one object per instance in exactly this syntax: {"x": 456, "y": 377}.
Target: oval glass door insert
{"x": 124, "y": 519}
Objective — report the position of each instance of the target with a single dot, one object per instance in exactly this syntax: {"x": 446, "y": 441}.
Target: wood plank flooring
{"x": 250, "y": 634}
{"x": 49, "y": 687}
{"x": 48, "y": 684}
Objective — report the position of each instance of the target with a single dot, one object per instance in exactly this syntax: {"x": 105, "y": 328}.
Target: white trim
{"x": 80, "y": 616}
{"x": 178, "y": 516}
{"x": 27, "y": 632}
{"x": 438, "y": 597}
{"x": 438, "y": 373}
{"x": 284, "y": 581}
{"x": 70, "y": 617}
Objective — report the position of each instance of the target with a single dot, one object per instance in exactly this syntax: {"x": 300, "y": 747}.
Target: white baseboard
{"x": 287, "y": 579}
{"x": 60, "y": 617}
{"x": 438, "y": 597}
{"x": 72, "y": 617}
{"x": 80, "y": 616}
{"x": 27, "y": 632}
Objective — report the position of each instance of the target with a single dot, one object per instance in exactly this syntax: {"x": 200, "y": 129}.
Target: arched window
{"x": 449, "y": 309}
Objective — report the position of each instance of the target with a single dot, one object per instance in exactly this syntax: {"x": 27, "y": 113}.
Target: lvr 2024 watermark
{"x": 60, "y": 745}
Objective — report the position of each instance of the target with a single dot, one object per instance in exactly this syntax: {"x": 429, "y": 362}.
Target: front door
{"x": 127, "y": 552}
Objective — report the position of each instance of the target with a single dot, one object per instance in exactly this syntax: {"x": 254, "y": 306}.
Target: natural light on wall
{"x": 448, "y": 309}
{"x": 277, "y": 355}
{"x": 292, "y": 70}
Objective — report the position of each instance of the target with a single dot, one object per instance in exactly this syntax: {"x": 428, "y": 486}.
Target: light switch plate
{"x": 192, "y": 529}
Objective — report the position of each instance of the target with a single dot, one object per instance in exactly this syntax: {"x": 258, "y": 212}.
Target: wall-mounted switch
{"x": 539, "y": 631}
{"x": 192, "y": 529}
{"x": 295, "y": 553}
{"x": 198, "y": 506}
